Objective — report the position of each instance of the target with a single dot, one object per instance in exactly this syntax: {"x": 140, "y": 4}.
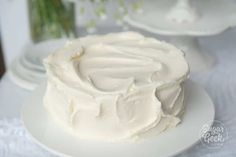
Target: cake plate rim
{"x": 48, "y": 135}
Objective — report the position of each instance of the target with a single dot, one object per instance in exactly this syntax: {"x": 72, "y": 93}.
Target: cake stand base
{"x": 198, "y": 60}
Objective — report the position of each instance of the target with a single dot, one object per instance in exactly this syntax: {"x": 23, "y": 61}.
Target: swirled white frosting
{"x": 116, "y": 86}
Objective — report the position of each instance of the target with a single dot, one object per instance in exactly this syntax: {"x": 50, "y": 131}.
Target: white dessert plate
{"x": 46, "y": 133}
{"x": 27, "y": 70}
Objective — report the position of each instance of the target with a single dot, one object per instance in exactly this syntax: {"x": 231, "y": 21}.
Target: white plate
{"x": 35, "y": 53}
{"x": 199, "y": 111}
{"x": 27, "y": 70}
{"x": 25, "y": 77}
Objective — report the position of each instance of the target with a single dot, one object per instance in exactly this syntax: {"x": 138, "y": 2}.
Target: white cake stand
{"x": 184, "y": 23}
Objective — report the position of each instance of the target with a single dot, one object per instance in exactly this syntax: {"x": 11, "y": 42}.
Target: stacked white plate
{"x": 27, "y": 70}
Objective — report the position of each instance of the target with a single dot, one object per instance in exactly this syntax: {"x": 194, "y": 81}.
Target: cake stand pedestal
{"x": 196, "y": 57}
{"x": 184, "y": 22}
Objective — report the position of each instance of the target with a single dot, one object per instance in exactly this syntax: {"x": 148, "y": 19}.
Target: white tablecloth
{"x": 220, "y": 83}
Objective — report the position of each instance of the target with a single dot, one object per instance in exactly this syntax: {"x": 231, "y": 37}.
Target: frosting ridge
{"x": 115, "y": 86}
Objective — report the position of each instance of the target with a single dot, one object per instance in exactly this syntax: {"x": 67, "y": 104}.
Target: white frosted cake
{"x": 117, "y": 86}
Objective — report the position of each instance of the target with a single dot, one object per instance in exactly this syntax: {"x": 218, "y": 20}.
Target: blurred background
{"x": 32, "y": 29}
{"x": 25, "y": 25}
{"x": 28, "y": 22}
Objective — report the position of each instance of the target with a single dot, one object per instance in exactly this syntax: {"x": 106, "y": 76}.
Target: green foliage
{"x": 51, "y": 19}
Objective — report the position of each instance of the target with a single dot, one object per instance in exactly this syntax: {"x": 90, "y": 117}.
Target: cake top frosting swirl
{"x": 117, "y": 62}
{"x": 110, "y": 87}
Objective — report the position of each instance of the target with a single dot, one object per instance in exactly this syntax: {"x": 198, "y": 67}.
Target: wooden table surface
{"x": 2, "y": 64}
